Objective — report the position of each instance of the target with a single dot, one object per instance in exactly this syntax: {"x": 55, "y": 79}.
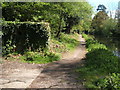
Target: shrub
{"x": 70, "y": 40}
{"x": 100, "y": 62}
{"x": 96, "y": 46}
{"x": 90, "y": 41}
{"x": 37, "y": 57}
{"x": 65, "y": 43}
{"x": 99, "y": 57}
{"x": 86, "y": 36}
{"x": 103, "y": 60}
{"x": 25, "y": 35}
{"x": 92, "y": 44}
{"x": 111, "y": 82}
{"x": 8, "y": 48}
{"x": 57, "y": 46}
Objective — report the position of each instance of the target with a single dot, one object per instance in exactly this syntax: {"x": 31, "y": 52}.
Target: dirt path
{"x": 61, "y": 74}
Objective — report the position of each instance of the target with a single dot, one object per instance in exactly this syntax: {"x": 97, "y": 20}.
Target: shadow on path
{"x": 61, "y": 74}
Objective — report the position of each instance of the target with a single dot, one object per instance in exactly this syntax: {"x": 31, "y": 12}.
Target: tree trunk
{"x": 59, "y": 28}
{"x": 68, "y": 28}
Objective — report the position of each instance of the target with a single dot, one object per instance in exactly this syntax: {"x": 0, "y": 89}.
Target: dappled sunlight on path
{"x": 61, "y": 74}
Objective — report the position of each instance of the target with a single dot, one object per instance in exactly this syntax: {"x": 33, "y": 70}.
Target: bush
{"x": 64, "y": 44}
{"x": 35, "y": 57}
{"x": 69, "y": 40}
{"x": 87, "y": 37}
{"x": 96, "y": 46}
{"x": 103, "y": 60}
{"x": 100, "y": 62}
{"x": 92, "y": 44}
{"x": 90, "y": 41}
{"x": 57, "y": 46}
{"x": 111, "y": 82}
{"x": 25, "y": 35}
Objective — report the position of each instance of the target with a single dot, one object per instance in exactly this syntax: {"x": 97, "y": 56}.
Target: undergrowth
{"x": 54, "y": 52}
{"x": 40, "y": 58}
{"x": 65, "y": 43}
{"x": 101, "y": 66}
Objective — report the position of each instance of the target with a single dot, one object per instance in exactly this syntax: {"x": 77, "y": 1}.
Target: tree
{"x": 62, "y": 16}
{"x": 97, "y": 22}
{"x": 109, "y": 27}
{"x": 101, "y": 8}
{"x": 75, "y": 13}
{"x": 118, "y": 18}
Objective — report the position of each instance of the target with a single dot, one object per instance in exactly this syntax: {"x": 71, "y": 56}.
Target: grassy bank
{"x": 101, "y": 66}
{"x": 66, "y": 42}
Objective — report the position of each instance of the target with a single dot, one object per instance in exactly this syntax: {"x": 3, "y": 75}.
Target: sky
{"x": 109, "y": 4}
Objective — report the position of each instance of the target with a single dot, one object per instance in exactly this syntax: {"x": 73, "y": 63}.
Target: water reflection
{"x": 113, "y": 43}
{"x": 116, "y": 53}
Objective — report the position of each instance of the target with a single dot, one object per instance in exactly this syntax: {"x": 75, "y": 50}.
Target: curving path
{"x": 61, "y": 74}
{"x": 58, "y": 74}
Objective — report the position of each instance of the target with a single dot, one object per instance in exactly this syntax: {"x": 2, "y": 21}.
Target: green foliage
{"x": 57, "y": 46}
{"x": 60, "y": 15}
{"x": 109, "y": 82}
{"x": 98, "y": 54}
{"x": 69, "y": 40}
{"x": 40, "y": 57}
{"x": 87, "y": 36}
{"x": 29, "y": 36}
{"x": 99, "y": 63}
{"x": 65, "y": 43}
{"x": 22, "y": 11}
{"x": 92, "y": 44}
{"x": 96, "y": 46}
{"x": 104, "y": 25}
{"x": 109, "y": 27}
{"x": 25, "y": 35}
{"x": 8, "y": 48}
{"x": 97, "y": 22}
{"x": 103, "y": 60}
{"x": 118, "y": 22}
{"x": 54, "y": 53}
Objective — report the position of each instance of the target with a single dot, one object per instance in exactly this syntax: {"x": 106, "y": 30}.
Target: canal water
{"x": 113, "y": 43}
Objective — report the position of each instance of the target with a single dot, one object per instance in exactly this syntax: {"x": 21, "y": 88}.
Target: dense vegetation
{"x": 41, "y": 31}
{"x": 104, "y": 25}
{"x": 101, "y": 69}
{"x": 23, "y": 36}
{"x": 62, "y": 16}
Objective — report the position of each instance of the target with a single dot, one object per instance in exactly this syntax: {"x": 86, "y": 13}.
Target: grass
{"x": 67, "y": 42}
{"x": 39, "y": 58}
{"x": 100, "y": 62}
{"x": 57, "y": 47}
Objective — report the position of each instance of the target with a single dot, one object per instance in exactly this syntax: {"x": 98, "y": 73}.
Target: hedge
{"x": 22, "y": 36}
